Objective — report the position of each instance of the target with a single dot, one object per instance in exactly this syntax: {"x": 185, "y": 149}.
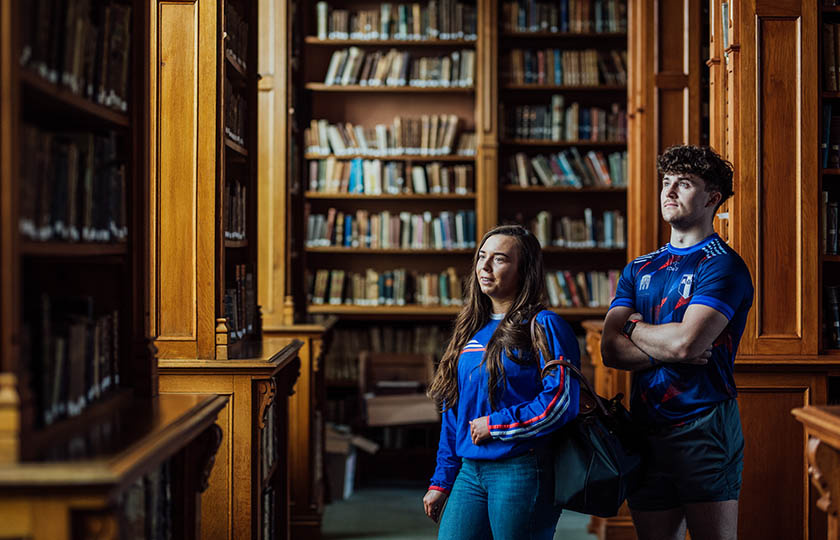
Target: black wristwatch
{"x": 629, "y": 326}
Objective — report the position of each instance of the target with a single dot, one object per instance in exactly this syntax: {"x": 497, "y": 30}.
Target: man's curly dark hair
{"x": 715, "y": 171}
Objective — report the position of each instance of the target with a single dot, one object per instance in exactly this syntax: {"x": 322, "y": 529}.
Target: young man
{"x": 676, "y": 322}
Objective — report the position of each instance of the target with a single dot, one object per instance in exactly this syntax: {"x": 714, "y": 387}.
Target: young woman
{"x": 492, "y": 462}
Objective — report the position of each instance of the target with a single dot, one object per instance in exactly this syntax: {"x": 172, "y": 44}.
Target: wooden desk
{"x": 79, "y": 487}
{"x": 822, "y": 447}
{"x": 233, "y": 506}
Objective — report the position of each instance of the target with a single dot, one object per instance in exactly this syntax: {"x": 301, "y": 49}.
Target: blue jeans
{"x": 507, "y": 499}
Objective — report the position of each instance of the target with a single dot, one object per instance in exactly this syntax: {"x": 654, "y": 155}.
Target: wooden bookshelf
{"x": 313, "y": 40}
{"x": 405, "y": 157}
{"x": 605, "y": 88}
{"x": 385, "y": 311}
{"x": 407, "y": 89}
{"x": 390, "y": 196}
{"x": 561, "y": 189}
{"x": 392, "y": 251}
{"x": 564, "y": 144}
{"x": 564, "y": 35}
{"x": 236, "y": 147}
{"x": 80, "y": 414}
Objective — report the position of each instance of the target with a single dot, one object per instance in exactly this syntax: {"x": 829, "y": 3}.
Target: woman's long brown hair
{"x": 512, "y": 335}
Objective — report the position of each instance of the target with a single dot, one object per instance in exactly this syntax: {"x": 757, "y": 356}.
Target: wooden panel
{"x": 216, "y": 511}
{"x": 774, "y": 441}
{"x": 183, "y": 168}
{"x": 779, "y": 180}
{"x": 671, "y": 36}
{"x": 771, "y": 136}
{"x": 272, "y": 161}
{"x": 300, "y": 429}
{"x": 177, "y": 205}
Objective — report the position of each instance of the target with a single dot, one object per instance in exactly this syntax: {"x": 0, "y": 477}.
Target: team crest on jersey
{"x": 685, "y": 285}
{"x": 644, "y": 283}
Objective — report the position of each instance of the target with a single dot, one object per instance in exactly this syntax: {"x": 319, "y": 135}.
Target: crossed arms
{"x": 689, "y": 341}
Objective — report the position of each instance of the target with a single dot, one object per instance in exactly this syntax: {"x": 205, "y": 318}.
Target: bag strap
{"x": 571, "y": 367}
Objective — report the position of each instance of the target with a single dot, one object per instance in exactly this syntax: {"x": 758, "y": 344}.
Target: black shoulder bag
{"x": 597, "y": 456}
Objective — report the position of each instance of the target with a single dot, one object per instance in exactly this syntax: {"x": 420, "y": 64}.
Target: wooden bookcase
{"x": 78, "y": 379}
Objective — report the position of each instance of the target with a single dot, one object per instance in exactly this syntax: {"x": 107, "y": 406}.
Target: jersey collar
{"x": 691, "y": 249}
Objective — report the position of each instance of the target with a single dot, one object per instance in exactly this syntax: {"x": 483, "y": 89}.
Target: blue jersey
{"x": 661, "y": 286}
{"x": 528, "y": 408}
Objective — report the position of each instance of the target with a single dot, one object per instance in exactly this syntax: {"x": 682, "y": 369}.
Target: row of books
{"x": 268, "y": 441}
{"x": 588, "y": 67}
{"x": 240, "y": 304}
{"x": 830, "y": 235}
{"x": 569, "y": 168}
{"x": 429, "y": 135}
{"x": 236, "y": 36}
{"x": 386, "y": 230}
{"x": 75, "y": 354}
{"x": 354, "y": 66}
{"x": 393, "y": 287}
{"x": 830, "y": 141}
{"x": 437, "y": 19}
{"x": 235, "y": 211}
{"x": 564, "y": 16}
{"x": 556, "y": 122}
{"x": 72, "y": 188}
{"x": 81, "y": 45}
{"x": 607, "y": 231}
{"x": 236, "y": 113}
{"x": 147, "y": 506}
{"x": 581, "y": 289}
{"x": 341, "y": 361}
{"x": 376, "y": 177}
{"x": 832, "y": 316}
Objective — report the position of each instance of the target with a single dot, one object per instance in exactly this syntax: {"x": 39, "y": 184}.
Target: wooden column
{"x": 182, "y": 169}
{"x": 663, "y": 105}
{"x": 274, "y": 158}
{"x": 487, "y": 118}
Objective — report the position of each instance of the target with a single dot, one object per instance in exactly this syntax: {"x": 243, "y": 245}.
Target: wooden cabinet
{"x": 822, "y": 446}
{"x": 203, "y": 230}
{"x": 248, "y": 495}
{"x": 306, "y": 427}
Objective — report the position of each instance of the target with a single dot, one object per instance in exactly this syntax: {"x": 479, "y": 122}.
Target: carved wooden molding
{"x": 825, "y": 473}
{"x": 210, "y": 441}
{"x": 267, "y": 389}
{"x": 9, "y": 419}
{"x": 317, "y": 352}
{"x": 221, "y": 339}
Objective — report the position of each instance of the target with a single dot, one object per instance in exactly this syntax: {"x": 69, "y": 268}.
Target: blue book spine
{"x": 564, "y": 15}
{"x": 348, "y": 230}
{"x": 826, "y": 133}
{"x": 356, "y": 184}
{"x": 558, "y": 67}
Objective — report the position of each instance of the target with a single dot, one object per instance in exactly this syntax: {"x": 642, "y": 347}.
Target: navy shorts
{"x": 699, "y": 461}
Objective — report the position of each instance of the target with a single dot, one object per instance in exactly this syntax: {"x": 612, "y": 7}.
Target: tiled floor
{"x": 397, "y": 514}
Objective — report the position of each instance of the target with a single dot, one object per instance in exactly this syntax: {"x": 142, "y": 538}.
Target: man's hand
{"x": 433, "y": 503}
{"x": 480, "y": 430}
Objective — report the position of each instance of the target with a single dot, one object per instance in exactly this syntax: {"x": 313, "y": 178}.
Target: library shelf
{"x": 566, "y": 88}
{"x": 831, "y": 258}
{"x": 234, "y": 244}
{"x": 540, "y": 143}
{"x": 53, "y": 97}
{"x": 236, "y": 147}
{"x": 236, "y": 67}
{"x": 831, "y": 352}
{"x": 558, "y": 249}
{"x": 831, "y": 172}
{"x": 830, "y": 9}
{"x": 389, "y": 251}
{"x": 71, "y": 249}
{"x": 313, "y": 40}
{"x": 355, "y": 88}
{"x": 453, "y": 158}
{"x": 563, "y": 35}
{"x": 384, "y": 311}
{"x": 831, "y": 95}
{"x": 389, "y": 196}
{"x": 562, "y": 189}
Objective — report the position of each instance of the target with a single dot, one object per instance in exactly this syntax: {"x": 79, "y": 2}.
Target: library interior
{"x": 235, "y": 236}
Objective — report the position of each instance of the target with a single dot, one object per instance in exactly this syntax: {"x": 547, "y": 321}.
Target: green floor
{"x": 397, "y": 514}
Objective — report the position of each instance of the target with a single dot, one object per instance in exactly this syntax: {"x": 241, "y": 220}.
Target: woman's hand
{"x": 480, "y": 429}
{"x": 433, "y": 503}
